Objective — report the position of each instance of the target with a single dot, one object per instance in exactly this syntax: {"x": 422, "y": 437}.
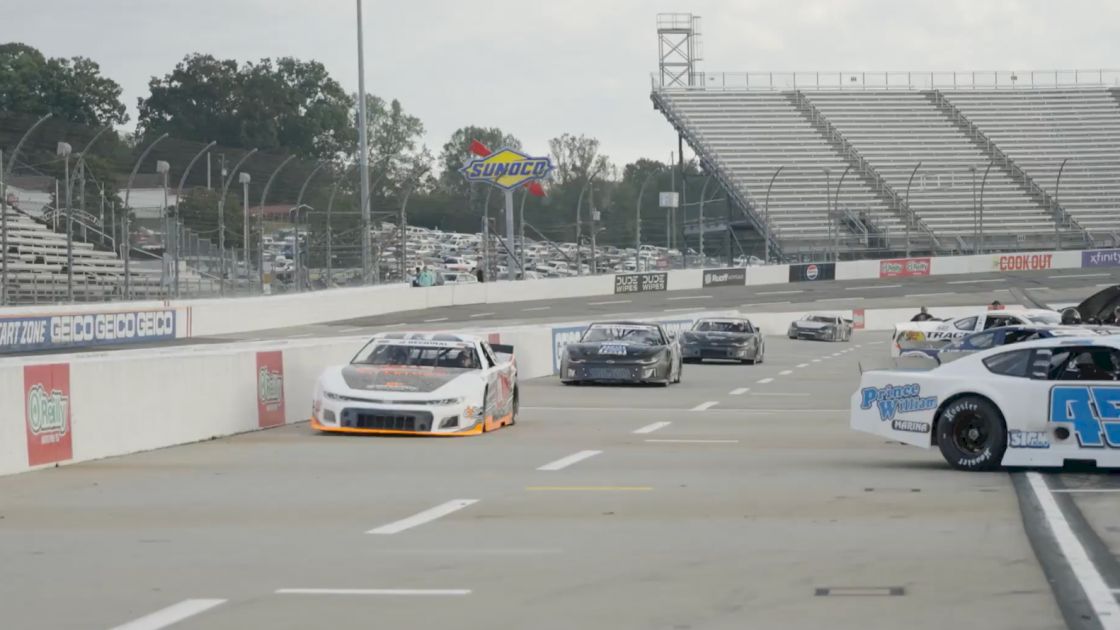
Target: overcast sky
{"x": 538, "y": 69}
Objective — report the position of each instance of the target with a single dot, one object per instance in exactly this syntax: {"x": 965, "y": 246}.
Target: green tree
{"x": 291, "y": 105}
{"x": 456, "y": 152}
{"x": 396, "y": 154}
{"x": 71, "y": 89}
{"x": 577, "y": 157}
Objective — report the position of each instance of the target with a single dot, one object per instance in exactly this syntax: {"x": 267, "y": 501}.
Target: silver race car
{"x": 622, "y": 352}
{"x": 822, "y": 327}
{"x": 728, "y": 339}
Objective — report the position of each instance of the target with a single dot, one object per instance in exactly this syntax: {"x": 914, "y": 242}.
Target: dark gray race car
{"x": 823, "y": 327}
{"x": 728, "y": 339}
{"x": 622, "y": 352}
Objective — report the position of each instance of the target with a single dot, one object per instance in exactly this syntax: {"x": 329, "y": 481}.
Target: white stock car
{"x": 419, "y": 383}
{"x": 1037, "y": 403}
{"x": 934, "y": 334}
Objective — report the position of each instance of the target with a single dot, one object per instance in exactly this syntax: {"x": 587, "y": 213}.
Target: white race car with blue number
{"x": 1037, "y": 403}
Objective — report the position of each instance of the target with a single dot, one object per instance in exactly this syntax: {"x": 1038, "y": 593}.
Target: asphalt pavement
{"x": 737, "y": 499}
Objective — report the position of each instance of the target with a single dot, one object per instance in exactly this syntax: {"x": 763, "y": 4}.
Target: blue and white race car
{"x": 1036, "y": 403}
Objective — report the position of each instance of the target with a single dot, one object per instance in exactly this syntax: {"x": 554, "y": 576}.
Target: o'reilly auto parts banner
{"x": 904, "y": 267}
{"x": 641, "y": 282}
{"x": 270, "y": 389}
{"x": 812, "y": 271}
{"x": 1100, "y": 258}
{"x": 46, "y": 395}
{"x": 730, "y": 277}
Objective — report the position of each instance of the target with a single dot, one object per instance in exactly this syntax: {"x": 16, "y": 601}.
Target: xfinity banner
{"x": 731, "y": 277}
{"x": 641, "y": 282}
{"x": 812, "y": 271}
{"x": 1100, "y": 258}
{"x": 80, "y": 330}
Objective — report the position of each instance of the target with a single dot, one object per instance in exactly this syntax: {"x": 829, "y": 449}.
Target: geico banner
{"x": 641, "y": 282}
{"x": 79, "y": 330}
{"x": 1022, "y": 262}
{"x": 730, "y": 277}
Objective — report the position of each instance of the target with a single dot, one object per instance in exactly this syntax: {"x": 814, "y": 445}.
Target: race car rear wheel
{"x": 972, "y": 434}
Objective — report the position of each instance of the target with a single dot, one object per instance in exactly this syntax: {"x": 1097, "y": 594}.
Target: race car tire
{"x": 792, "y": 336}
{"x": 680, "y": 371}
{"x": 971, "y": 434}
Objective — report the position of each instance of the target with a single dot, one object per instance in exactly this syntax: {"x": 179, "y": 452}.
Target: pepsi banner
{"x": 82, "y": 330}
{"x": 811, "y": 272}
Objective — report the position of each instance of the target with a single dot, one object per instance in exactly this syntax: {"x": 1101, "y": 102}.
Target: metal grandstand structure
{"x": 933, "y": 162}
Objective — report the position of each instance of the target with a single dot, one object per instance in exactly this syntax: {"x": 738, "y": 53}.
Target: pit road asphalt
{"x": 732, "y": 517}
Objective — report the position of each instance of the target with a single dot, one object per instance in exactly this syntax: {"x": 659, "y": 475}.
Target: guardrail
{"x": 913, "y": 80}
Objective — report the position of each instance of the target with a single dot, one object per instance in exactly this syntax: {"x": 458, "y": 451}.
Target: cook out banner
{"x": 79, "y": 330}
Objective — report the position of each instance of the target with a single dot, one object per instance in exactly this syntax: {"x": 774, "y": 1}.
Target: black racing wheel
{"x": 972, "y": 434}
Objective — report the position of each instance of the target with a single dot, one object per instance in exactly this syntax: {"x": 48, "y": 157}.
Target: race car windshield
{"x": 645, "y": 336}
{"x": 460, "y": 357}
{"x": 730, "y": 327}
{"x": 819, "y": 318}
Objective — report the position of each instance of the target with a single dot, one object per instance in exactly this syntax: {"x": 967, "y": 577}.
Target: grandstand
{"x": 1018, "y": 136}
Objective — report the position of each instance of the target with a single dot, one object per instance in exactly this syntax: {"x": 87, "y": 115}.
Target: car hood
{"x": 395, "y": 378}
{"x": 591, "y": 351}
{"x": 811, "y": 325}
{"x": 716, "y": 336}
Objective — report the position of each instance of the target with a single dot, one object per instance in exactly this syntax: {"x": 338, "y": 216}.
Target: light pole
{"x": 909, "y": 212}
{"x": 63, "y": 150}
{"x": 179, "y": 204}
{"x": 828, "y": 200}
{"x": 521, "y": 234}
{"x": 228, "y": 179}
{"x": 836, "y": 211}
{"x": 700, "y": 221}
{"x": 126, "y": 227}
{"x": 330, "y": 231}
{"x": 297, "y": 251}
{"x": 1058, "y": 206}
{"x": 19, "y": 145}
{"x": 975, "y": 241}
{"x": 638, "y": 222}
{"x": 3, "y": 234}
{"x": 244, "y": 178}
{"x": 299, "y": 203}
{"x": 766, "y": 211}
{"x": 163, "y": 168}
{"x": 260, "y": 217}
{"x": 363, "y": 152}
{"x": 983, "y": 183}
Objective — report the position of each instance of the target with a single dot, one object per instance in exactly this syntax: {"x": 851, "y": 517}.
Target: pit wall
{"x": 62, "y": 409}
{"x": 26, "y": 329}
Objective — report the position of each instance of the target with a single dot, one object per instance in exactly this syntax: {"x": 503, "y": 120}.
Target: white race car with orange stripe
{"x": 419, "y": 383}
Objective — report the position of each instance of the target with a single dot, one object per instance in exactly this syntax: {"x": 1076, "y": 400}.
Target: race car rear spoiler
{"x": 502, "y": 348}
{"x": 1095, "y": 307}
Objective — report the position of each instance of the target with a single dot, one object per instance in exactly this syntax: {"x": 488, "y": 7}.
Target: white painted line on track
{"x": 171, "y": 615}
{"x": 609, "y": 302}
{"x": 375, "y": 591}
{"x": 785, "y": 372}
{"x": 779, "y": 292}
{"x": 873, "y": 343}
{"x": 939, "y": 293}
{"x": 481, "y": 314}
{"x": 816, "y": 360}
{"x": 537, "y": 308}
{"x": 988, "y": 281}
{"x": 739, "y": 391}
{"x": 350, "y": 330}
{"x": 873, "y": 286}
{"x": 763, "y": 381}
{"x": 677, "y": 310}
{"x": 766, "y": 303}
{"x": 691, "y": 297}
{"x": 1080, "y": 275}
{"x": 802, "y": 365}
{"x": 705, "y": 405}
{"x": 786, "y": 394}
{"x": 1080, "y": 490}
{"x": 432, "y": 321}
{"x": 650, "y": 428}
{"x": 301, "y": 336}
{"x": 564, "y": 462}
{"x": 426, "y": 516}
{"x": 393, "y": 325}
{"x": 1096, "y": 590}
{"x": 694, "y": 441}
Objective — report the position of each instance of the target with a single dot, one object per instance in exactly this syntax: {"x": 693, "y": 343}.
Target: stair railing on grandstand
{"x": 853, "y": 155}
{"x": 1061, "y": 216}
{"x": 703, "y": 149}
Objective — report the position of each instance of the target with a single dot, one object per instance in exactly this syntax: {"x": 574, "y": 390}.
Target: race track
{"x": 737, "y": 499}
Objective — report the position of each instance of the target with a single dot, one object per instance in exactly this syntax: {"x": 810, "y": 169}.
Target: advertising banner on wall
{"x": 80, "y": 330}
{"x": 562, "y": 336}
{"x": 641, "y": 282}
{"x": 904, "y": 267}
{"x": 270, "y": 389}
{"x": 1091, "y": 258}
{"x": 1022, "y": 262}
{"x": 812, "y": 271}
{"x": 730, "y": 277}
{"x": 47, "y": 414}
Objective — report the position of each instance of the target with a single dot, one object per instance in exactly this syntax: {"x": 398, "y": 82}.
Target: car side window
{"x": 1015, "y": 336}
{"x": 995, "y": 321}
{"x": 1013, "y": 363}
{"x": 969, "y": 323}
{"x": 981, "y": 341}
{"x": 1091, "y": 363}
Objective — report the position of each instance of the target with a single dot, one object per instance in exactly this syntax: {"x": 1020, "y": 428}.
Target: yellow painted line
{"x": 593, "y": 488}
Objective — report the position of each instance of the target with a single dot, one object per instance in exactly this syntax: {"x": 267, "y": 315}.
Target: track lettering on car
{"x": 1094, "y": 412}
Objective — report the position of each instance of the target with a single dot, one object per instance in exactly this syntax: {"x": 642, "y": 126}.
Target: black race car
{"x": 622, "y": 352}
{"x": 725, "y": 338}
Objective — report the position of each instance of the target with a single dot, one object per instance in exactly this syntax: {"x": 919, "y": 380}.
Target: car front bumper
{"x": 351, "y": 416}
{"x": 615, "y": 372}
{"x": 726, "y": 352}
